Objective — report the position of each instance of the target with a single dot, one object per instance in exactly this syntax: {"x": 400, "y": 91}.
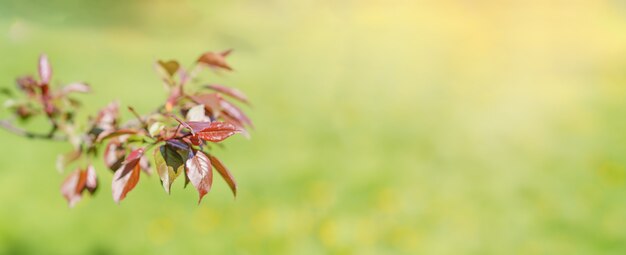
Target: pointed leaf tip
{"x": 198, "y": 170}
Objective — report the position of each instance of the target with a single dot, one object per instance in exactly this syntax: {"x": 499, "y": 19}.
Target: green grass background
{"x": 383, "y": 127}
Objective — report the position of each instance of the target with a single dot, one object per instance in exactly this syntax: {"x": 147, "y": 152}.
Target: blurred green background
{"x": 383, "y": 127}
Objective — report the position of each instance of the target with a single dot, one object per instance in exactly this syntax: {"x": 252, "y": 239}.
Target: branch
{"x": 7, "y": 125}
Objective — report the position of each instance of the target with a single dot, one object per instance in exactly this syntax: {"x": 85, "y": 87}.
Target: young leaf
{"x": 168, "y": 67}
{"x": 45, "y": 71}
{"x": 232, "y": 92}
{"x": 215, "y": 60}
{"x": 217, "y": 131}
{"x": 169, "y": 165}
{"x": 114, "y": 154}
{"x": 73, "y": 186}
{"x": 199, "y": 173}
{"x": 235, "y": 112}
{"x": 91, "y": 180}
{"x": 127, "y": 176}
{"x": 224, "y": 173}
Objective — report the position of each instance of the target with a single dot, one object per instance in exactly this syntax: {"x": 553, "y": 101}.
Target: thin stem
{"x": 143, "y": 123}
{"x": 7, "y": 125}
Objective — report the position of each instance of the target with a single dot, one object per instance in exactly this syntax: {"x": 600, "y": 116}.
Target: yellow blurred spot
{"x": 264, "y": 221}
{"x": 387, "y": 201}
{"x": 328, "y": 233}
{"x": 205, "y": 220}
{"x": 160, "y": 231}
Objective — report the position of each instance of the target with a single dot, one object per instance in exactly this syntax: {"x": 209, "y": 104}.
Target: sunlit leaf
{"x": 127, "y": 176}
{"x": 217, "y": 131}
{"x": 226, "y": 175}
{"x": 169, "y": 165}
{"x": 198, "y": 169}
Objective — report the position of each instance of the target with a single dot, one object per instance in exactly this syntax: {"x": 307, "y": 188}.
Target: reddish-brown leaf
{"x": 127, "y": 176}
{"x": 232, "y": 92}
{"x": 91, "y": 180}
{"x": 45, "y": 71}
{"x": 217, "y": 131}
{"x": 198, "y": 169}
{"x": 134, "y": 155}
{"x": 114, "y": 154}
{"x": 224, "y": 173}
{"x": 72, "y": 187}
{"x": 215, "y": 60}
{"x": 211, "y": 101}
{"x": 235, "y": 112}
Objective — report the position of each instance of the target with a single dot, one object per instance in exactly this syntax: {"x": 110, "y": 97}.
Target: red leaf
{"x": 127, "y": 176}
{"x": 224, "y": 173}
{"x": 45, "y": 71}
{"x": 232, "y": 92}
{"x": 114, "y": 154}
{"x": 217, "y": 131}
{"x": 235, "y": 112}
{"x": 124, "y": 180}
{"x": 134, "y": 155}
{"x": 199, "y": 172}
{"x": 215, "y": 60}
{"x": 73, "y": 186}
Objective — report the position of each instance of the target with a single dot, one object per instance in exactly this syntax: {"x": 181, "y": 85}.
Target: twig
{"x": 7, "y": 125}
{"x": 143, "y": 123}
